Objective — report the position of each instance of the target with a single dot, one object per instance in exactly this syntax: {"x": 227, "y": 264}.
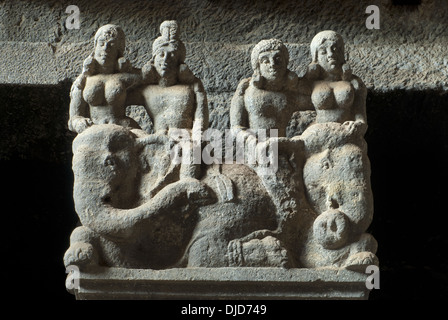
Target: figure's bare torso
{"x": 333, "y": 100}
{"x": 106, "y": 96}
{"x": 268, "y": 109}
{"x": 170, "y": 107}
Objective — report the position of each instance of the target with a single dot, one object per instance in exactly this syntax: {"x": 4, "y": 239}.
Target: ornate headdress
{"x": 169, "y": 31}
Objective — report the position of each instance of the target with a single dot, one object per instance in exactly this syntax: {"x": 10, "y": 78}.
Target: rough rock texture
{"x": 299, "y": 201}
{"x": 407, "y": 52}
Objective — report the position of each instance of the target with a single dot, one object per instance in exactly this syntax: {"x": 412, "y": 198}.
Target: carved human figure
{"x": 337, "y": 95}
{"x": 337, "y": 170}
{"x": 119, "y": 228}
{"x": 173, "y": 97}
{"x": 138, "y": 209}
{"x": 267, "y": 101}
{"x": 99, "y": 93}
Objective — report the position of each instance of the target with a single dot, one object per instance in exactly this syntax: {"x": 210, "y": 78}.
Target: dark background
{"x": 407, "y": 139}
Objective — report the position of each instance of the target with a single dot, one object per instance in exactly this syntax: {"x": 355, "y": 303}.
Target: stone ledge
{"x": 222, "y": 284}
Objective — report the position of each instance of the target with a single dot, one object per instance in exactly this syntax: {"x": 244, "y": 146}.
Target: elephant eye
{"x": 326, "y": 164}
{"x": 333, "y": 226}
{"x": 109, "y": 161}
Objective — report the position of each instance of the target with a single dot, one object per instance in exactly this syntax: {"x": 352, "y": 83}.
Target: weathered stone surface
{"x": 37, "y": 48}
{"x": 34, "y": 117}
{"x": 408, "y": 41}
{"x": 292, "y": 193}
{"x": 221, "y": 284}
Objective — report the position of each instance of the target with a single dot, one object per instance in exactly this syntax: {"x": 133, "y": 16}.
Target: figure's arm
{"x": 201, "y": 116}
{"x": 134, "y": 97}
{"x": 131, "y": 80}
{"x": 359, "y": 105}
{"x": 239, "y": 117}
{"x": 130, "y": 76}
{"x": 304, "y": 95}
{"x": 79, "y": 113}
{"x": 238, "y": 113}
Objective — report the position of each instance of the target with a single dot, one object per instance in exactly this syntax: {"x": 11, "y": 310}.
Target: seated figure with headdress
{"x": 172, "y": 95}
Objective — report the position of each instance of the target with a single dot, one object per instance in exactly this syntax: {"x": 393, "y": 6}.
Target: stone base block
{"x": 219, "y": 284}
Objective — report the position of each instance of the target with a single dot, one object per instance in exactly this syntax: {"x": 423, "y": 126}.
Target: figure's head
{"x": 168, "y": 52}
{"x": 166, "y": 60}
{"x": 327, "y": 50}
{"x": 270, "y": 58}
{"x": 109, "y": 45}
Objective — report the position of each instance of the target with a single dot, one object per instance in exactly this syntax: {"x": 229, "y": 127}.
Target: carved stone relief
{"x": 297, "y": 199}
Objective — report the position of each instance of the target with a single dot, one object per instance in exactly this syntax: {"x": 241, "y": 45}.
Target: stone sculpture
{"x": 99, "y": 93}
{"x": 263, "y": 102}
{"x": 173, "y": 97}
{"x": 337, "y": 169}
{"x": 179, "y": 102}
{"x": 119, "y": 228}
{"x": 308, "y": 206}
